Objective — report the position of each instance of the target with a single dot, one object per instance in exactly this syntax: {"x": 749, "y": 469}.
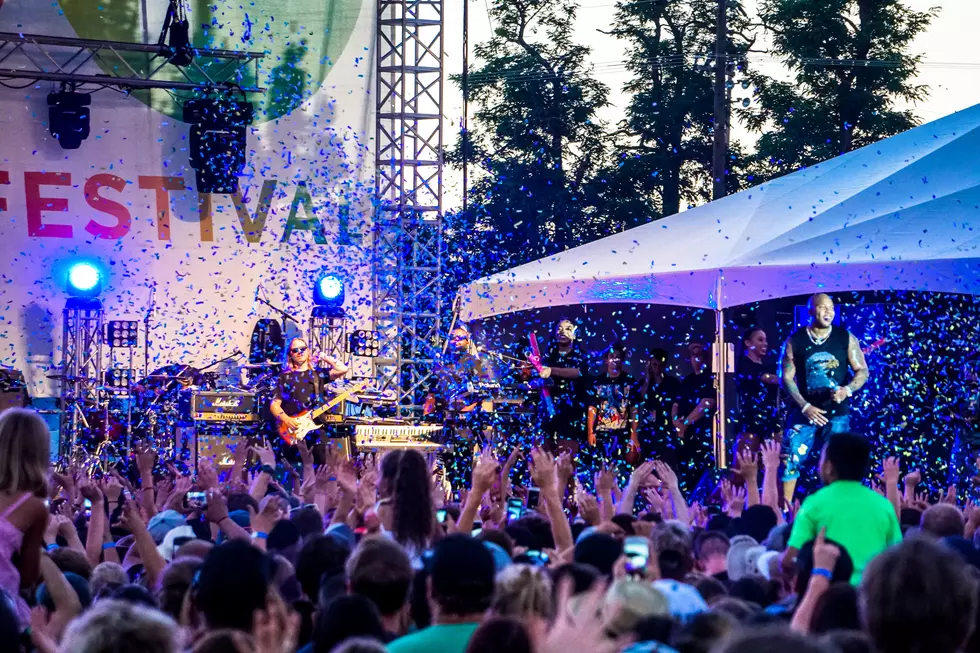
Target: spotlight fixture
{"x": 68, "y": 118}
{"x": 364, "y": 343}
{"x": 329, "y": 291}
{"x": 119, "y": 379}
{"x": 217, "y": 142}
{"x": 122, "y": 333}
{"x": 84, "y": 279}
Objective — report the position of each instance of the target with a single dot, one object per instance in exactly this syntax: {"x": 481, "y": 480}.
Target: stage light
{"x": 364, "y": 343}
{"x": 217, "y": 142}
{"x": 122, "y": 333}
{"x": 68, "y": 118}
{"x": 84, "y": 280}
{"x": 119, "y": 379}
{"x": 330, "y": 287}
{"x": 328, "y": 296}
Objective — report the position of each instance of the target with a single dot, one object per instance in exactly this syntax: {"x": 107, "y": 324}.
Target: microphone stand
{"x": 283, "y": 315}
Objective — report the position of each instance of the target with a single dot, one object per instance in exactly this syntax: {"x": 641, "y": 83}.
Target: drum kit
{"x": 149, "y": 412}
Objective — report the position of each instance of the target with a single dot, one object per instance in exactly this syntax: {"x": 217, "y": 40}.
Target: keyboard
{"x": 402, "y": 436}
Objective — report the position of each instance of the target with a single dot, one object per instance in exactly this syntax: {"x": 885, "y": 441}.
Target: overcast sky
{"x": 951, "y": 61}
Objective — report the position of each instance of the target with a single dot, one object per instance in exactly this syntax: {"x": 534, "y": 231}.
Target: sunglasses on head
{"x": 298, "y": 350}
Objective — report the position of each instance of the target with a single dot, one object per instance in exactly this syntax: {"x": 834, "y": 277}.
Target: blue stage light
{"x": 328, "y": 292}
{"x": 331, "y": 287}
{"x": 84, "y": 280}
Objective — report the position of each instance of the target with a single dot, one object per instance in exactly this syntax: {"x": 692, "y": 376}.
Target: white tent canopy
{"x": 901, "y": 214}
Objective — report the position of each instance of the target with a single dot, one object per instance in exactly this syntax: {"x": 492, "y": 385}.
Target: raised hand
{"x": 581, "y": 629}
{"x": 544, "y": 472}
{"x": 825, "y": 554}
{"x": 913, "y": 478}
{"x": 588, "y": 508}
{"x": 484, "y": 471}
{"x": 276, "y": 629}
{"x": 145, "y": 459}
{"x": 217, "y": 510}
{"x": 771, "y": 454}
{"x": 605, "y": 479}
{"x": 890, "y": 471}
{"x": 654, "y": 499}
{"x": 347, "y": 479}
{"x": 207, "y": 477}
{"x": 643, "y": 476}
{"x": 950, "y": 496}
{"x": 90, "y": 491}
{"x": 666, "y": 474}
{"x": 266, "y": 455}
{"x": 748, "y": 465}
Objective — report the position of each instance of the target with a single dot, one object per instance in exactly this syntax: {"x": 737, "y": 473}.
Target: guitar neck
{"x": 316, "y": 412}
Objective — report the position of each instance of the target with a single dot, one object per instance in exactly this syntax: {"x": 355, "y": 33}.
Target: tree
{"x": 851, "y": 66}
{"x": 665, "y": 140}
{"x": 535, "y": 141}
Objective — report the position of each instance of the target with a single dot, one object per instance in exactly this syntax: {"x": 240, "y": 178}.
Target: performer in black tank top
{"x": 815, "y": 364}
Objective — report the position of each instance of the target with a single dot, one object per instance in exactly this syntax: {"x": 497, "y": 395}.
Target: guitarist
{"x": 300, "y": 387}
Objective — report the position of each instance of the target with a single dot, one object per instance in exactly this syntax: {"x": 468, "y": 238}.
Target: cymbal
{"x": 259, "y": 366}
{"x": 170, "y": 376}
{"x": 68, "y": 377}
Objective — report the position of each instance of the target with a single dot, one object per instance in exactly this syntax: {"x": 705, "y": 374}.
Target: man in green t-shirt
{"x": 856, "y": 517}
{"x": 460, "y": 588}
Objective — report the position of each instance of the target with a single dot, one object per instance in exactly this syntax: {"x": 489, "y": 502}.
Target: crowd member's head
{"x": 709, "y": 587}
{"x": 738, "y": 609}
{"x": 758, "y": 521}
{"x": 225, "y": 641}
{"x": 614, "y": 358}
{"x": 308, "y": 520}
{"x": 346, "y": 616}
{"x": 627, "y": 603}
{"x": 461, "y": 579}
{"x": 671, "y": 542}
{"x": 501, "y": 634}
{"x": 943, "y": 520}
{"x": 118, "y": 627}
{"x": 771, "y": 640}
{"x": 711, "y": 550}
{"x": 581, "y": 576}
{"x": 845, "y": 457}
{"x": 498, "y": 537}
{"x": 379, "y": 570}
{"x": 106, "y": 578}
{"x": 71, "y": 561}
{"x": 841, "y": 573}
{"x": 412, "y": 512}
{"x": 232, "y": 584}
{"x": 848, "y": 641}
{"x": 25, "y": 452}
{"x": 656, "y": 364}
{"x": 524, "y": 592}
{"x": 43, "y": 595}
{"x": 321, "y": 555}
{"x": 175, "y": 582}
{"x": 918, "y": 597}
{"x": 360, "y": 645}
{"x": 836, "y": 609}
{"x": 754, "y": 340}
{"x": 565, "y": 331}
{"x": 598, "y": 550}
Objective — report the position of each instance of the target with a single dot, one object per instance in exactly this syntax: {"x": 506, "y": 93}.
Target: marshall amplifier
{"x": 204, "y": 406}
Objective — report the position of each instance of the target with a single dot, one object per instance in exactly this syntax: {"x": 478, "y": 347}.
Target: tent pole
{"x": 720, "y": 367}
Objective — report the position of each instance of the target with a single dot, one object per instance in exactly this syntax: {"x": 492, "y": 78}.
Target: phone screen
{"x": 636, "y": 548}
{"x": 441, "y": 516}
{"x": 515, "y": 508}
{"x": 196, "y": 500}
{"x": 88, "y": 508}
{"x": 538, "y": 558}
{"x": 533, "y": 496}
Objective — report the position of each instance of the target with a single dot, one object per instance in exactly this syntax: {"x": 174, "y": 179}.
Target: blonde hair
{"x": 25, "y": 452}
{"x": 522, "y": 591}
{"x": 121, "y": 628}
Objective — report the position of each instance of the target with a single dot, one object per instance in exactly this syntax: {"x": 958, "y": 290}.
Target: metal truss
{"x": 328, "y": 335}
{"x": 409, "y": 179}
{"x": 61, "y": 59}
{"x": 81, "y": 368}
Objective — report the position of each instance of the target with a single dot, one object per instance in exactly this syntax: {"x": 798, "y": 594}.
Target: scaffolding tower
{"x": 81, "y": 369}
{"x": 408, "y": 182}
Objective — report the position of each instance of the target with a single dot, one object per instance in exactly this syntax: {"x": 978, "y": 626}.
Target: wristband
{"x": 260, "y": 536}
{"x": 51, "y": 547}
{"x": 267, "y": 469}
{"x": 108, "y": 545}
{"x": 826, "y": 573}
{"x": 805, "y": 406}
{"x": 850, "y": 393}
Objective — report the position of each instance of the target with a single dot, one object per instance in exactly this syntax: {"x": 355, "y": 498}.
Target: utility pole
{"x": 719, "y": 150}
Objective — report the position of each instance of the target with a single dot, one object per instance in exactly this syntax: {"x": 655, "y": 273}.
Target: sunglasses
{"x": 298, "y": 350}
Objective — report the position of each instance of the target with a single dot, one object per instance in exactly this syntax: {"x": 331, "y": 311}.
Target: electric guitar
{"x": 306, "y": 423}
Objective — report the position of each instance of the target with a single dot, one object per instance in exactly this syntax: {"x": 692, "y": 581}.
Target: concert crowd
{"x": 371, "y": 554}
